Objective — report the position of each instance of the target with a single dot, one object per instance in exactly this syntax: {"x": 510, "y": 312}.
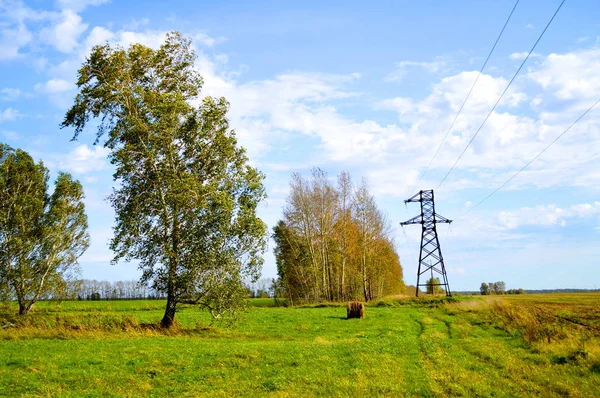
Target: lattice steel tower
{"x": 430, "y": 257}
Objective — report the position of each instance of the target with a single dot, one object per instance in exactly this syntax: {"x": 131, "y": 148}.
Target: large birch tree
{"x": 185, "y": 197}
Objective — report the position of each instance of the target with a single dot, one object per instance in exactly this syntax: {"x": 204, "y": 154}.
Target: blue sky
{"x": 370, "y": 88}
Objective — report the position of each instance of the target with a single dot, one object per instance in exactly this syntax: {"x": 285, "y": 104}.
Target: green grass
{"x": 401, "y": 348}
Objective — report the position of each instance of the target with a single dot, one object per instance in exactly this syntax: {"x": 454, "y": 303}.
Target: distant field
{"x": 527, "y": 345}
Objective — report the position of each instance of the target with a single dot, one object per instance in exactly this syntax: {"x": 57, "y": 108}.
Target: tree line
{"x": 91, "y": 289}
{"x": 497, "y": 288}
{"x": 334, "y": 243}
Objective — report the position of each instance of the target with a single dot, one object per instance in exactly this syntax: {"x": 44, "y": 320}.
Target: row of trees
{"x": 86, "y": 289}
{"x": 498, "y": 288}
{"x": 492, "y": 288}
{"x": 334, "y": 243}
{"x": 92, "y": 289}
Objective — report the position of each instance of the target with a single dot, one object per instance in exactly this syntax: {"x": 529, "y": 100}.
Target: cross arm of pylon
{"x": 415, "y": 198}
{"x": 415, "y": 220}
{"x": 441, "y": 219}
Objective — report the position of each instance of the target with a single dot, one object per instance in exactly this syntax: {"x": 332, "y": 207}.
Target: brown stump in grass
{"x": 355, "y": 309}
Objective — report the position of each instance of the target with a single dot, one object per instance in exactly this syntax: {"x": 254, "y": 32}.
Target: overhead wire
{"x": 407, "y": 243}
{"x": 467, "y": 97}
{"x": 448, "y": 233}
{"x": 532, "y": 160}
{"x": 405, "y": 235}
{"x": 502, "y": 95}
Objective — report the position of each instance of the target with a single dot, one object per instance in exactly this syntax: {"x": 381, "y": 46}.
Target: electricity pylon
{"x": 430, "y": 257}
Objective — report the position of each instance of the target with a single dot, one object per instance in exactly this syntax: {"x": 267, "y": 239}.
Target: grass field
{"x": 529, "y": 345}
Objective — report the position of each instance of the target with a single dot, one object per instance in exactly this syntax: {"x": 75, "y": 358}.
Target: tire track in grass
{"x": 510, "y": 365}
{"x": 433, "y": 341}
{"x": 457, "y": 371}
{"x": 401, "y": 354}
{"x": 492, "y": 352}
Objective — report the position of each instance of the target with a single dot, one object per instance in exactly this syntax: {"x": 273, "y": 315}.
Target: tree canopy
{"x": 334, "y": 243}
{"x": 433, "y": 286}
{"x": 186, "y": 197}
{"x": 41, "y": 235}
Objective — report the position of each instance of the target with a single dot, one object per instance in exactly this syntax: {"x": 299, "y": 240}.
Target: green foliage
{"x": 94, "y": 296}
{"x": 484, "y": 289}
{"x": 41, "y": 235}
{"x": 186, "y": 198}
{"x": 433, "y": 286}
{"x": 497, "y": 287}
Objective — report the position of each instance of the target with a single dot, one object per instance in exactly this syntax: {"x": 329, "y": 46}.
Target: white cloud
{"x": 136, "y": 24}
{"x": 529, "y": 26}
{"x": 585, "y": 209}
{"x": 450, "y": 93}
{"x": 573, "y": 75}
{"x": 510, "y": 138}
{"x": 582, "y": 39}
{"x": 9, "y": 114}
{"x": 84, "y": 159}
{"x": 10, "y": 135}
{"x": 64, "y": 34}
{"x": 545, "y": 215}
{"x": 388, "y": 182}
{"x": 523, "y": 55}
{"x": 264, "y": 112}
{"x": 399, "y": 104}
{"x": 10, "y": 94}
{"x": 267, "y": 113}
{"x": 433, "y": 66}
{"x": 148, "y": 38}
{"x": 206, "y": 40}
{"x": 403, "y": 67}
{"x": 54, "y": 86}
{"x": 12, "y": 40}
{"x": 79, "y": 5}
{"x": 97, "y": 36}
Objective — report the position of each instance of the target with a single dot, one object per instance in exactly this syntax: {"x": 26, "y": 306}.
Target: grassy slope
{"x": 395, "y": 351}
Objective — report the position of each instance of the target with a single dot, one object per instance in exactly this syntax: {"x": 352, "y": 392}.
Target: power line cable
{"x": 467, "y": 97}
{"x": 502, "y": 95}
{"x": 407, "y": 244}
{"x": 532, "y": 160}
{"x": 448, "y": 233}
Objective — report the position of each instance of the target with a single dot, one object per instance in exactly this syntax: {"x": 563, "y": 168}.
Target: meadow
{"x": 525, "y": 345}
